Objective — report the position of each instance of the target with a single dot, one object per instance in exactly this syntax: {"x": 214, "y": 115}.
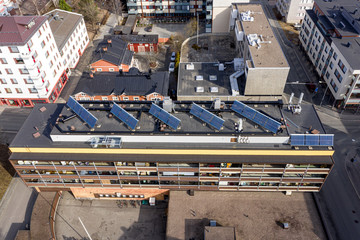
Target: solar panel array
{"x": 84, "y": 114}
{"x": 124, "y": 116}
{"x": 255, "y": 116}
{"x": 207, "y": 116}
{"x": 312, "y": 139}
{"x": 164, "y": 116}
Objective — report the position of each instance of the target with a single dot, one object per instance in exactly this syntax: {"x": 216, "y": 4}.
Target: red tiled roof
{"x": 14, "y": 31}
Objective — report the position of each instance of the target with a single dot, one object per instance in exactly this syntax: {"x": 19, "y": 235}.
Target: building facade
{"x": 119, "y": 161}
{"x": 331, "y": 41}
{"x": 293, "y": 11}
{"x": 33, "y": 67}
{"x": 166, "y": 8}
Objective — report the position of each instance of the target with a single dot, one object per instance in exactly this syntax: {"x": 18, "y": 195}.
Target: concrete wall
{"x": 231, "y": 98}
{"x": 221, "y": 16}
{"x": 266, "y": 81}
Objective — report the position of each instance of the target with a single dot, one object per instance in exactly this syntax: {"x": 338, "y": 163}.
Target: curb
{"x": 322, "y": 217}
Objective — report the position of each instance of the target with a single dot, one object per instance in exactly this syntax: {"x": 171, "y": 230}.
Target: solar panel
{"x": 164, "y": 116}
{"x": 312, "y": 140}
{"x": 124, "y": 116}
{"x": 326, "y": 139}
{"x": 207, "y": 116}
{"x": 297, "y": 139}
{"x": 83, "y": 113}
{"x": 256, "y": 116}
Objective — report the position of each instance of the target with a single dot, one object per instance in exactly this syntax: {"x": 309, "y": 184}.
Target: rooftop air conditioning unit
{"x": 190, "y": 66}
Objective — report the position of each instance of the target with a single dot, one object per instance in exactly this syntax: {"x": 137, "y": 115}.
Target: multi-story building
{"x": 293, "y": 11}
{"x": 330, "y": 36}
{"x": 36, "y": 53}
{"x": 166, "y": 8}
{"x": 138, "y": 149}
{"x": 6, "y": 6}
{"x": 258, "y": 73}
{"x": 120, "y": 87}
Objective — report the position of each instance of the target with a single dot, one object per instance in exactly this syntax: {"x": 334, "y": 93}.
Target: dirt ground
{"x": 289, "y": 30}
{"x": 213, "y": 49}
{"x": 6, "y": 169}
{"x": 255, "y": 215}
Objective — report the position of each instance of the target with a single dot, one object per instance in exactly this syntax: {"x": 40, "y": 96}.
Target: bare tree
{"x": 176, "y": 41}
{"x": 36, "y": 7}
{"x": 90, "y": 11}
{"x": 191, "y": 27}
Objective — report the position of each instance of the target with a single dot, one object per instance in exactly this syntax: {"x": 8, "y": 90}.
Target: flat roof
{"x": 62, "y": 24}
{"x": 56, "y": 126}
{"x": 219, "y": 233}
{"x": 187, "y": 82}
{"x": 269, "y": 54}
{"x": 253, "y": 214}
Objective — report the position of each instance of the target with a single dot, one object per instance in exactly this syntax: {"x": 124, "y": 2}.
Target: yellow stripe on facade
{"x": 177, "y": 151}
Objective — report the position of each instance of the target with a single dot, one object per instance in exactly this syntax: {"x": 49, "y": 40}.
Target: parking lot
{"x": 105, "y": 220}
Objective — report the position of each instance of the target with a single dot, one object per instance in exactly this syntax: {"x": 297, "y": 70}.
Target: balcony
{"x": 131, "y": 3}
{"x": 159, "y": 11}
{"x": 158, "y": 3}
{"x": 26, "y": 55}
{"x": 32, "y": 66}
{"x": 132, "y": 11}
{"x": 40, "y": 84}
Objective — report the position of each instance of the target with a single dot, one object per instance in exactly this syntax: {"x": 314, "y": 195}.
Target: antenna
{"x": 291, "y": 98}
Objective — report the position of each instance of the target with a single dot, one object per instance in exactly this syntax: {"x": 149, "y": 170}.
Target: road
{"x": 338, "y": 200}
{"x": 16, "y": 208}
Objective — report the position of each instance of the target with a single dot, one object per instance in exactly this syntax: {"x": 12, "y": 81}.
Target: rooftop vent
{"x": 199, "y": 89}
{"x": 212, "y": 77}
{"x": 342, "y": 25}
{"x": 245, "y": 17}
{"x": 190, "y": 66}
{"x": 214, "y": 89}
{"x": 199, "y": 78}
{"x": 221, "y": 67}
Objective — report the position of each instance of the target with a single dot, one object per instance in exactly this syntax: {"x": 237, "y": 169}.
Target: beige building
{"x": 293, "y": 11}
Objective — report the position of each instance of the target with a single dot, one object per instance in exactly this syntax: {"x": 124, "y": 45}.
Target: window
{"x": 13, "y": 49}
{"x": 320, "y": 66}
{"x": 38, "y": 33}
{"x": 47, "y": 54}
{"x": 104, "y": 98}
{"x": 311, "y": 50}
{"x": 326, "y": 49}
{"x": 136, "y": 98}
{"x": 338, "y": 76}
{"x": 23, "y": 71}
{"x": 2, "y": 81}
{"x": 333, "y": 85}
{"x": 125, "y": 98}
{"x": 13, "y": 81}
{"x": 35, "y": 55}
{"x": 115, "y": 98}
{"x": 28, "y": 81}
{"x": 8, "y": 71}
{"x": 51, "y": 64}
{"x": 33, "y": 90}
{"x": 43, "y": 44}
{"x": 331, "y": 65}
{"x": 342, "y": 66}
{"x": 335, "y": 56}
{"x": 99, "y": 69}
{"x": 316, "y": 47}
{"x": 3, "y": 61}
{"x": 111, "y": 69}
{"x": 327, "y": 74}
{"x": 19, "y": 60}
{"x": 8, "y": 90}
{"x": 54, "y": 73}
{"x": 30, "y": 43}
{"x": 316, "y": 34}
{"x": 323, "y": 58}
{"x": 64, "y": 62}
{"x": 18, "y": 90}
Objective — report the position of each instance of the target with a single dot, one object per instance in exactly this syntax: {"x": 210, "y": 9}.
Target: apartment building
{"x": 135, "y": 150}
{"x": 293, "y": 11}
{"x": 6, "y": 6}
{"x": 36, "y": 54}
{"x": 330, "y": 35}
{"x": 166, "y": 8}
{"x": 123, "y": 87}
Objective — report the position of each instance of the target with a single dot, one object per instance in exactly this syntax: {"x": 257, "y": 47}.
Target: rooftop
{"x": 56, "y": 125}
{"x": 62, "y": 24}
{"x": 17, "y": 30}
{"x": 115, "y": 52}
{"x": 153, "y": 38}
{"x": 214, "y": 83}
{"x": 114, "y": 83}
{"x": 270, "y": 53}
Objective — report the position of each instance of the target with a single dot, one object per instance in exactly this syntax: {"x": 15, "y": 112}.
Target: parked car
{"x": 173, "y": 56}
{"x": 171, "y": 67}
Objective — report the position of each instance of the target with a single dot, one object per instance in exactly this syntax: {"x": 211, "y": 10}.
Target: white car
{"x": 171, "y": 67}
{"x": 173, "y": 54}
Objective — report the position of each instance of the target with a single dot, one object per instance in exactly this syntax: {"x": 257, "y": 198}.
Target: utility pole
{"x": 85, "y": 229}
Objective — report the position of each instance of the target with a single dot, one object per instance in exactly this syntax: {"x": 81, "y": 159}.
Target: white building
{"x": 293, "y": 11}
{"x": 332, "y": 43}
{"x": 36, "y": 54}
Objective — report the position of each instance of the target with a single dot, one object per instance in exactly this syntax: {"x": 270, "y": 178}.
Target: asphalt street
{"x": 338, "y": 200}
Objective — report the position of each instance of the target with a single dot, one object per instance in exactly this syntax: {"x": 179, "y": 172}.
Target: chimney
{"x": 348, "y": 44}
{"x": 91, "y": 75}
{"x": 104, "y": 49}
{"x": 109, "y": 41}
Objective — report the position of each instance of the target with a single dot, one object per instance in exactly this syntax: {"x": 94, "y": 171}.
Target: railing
{"x": 54, "y": 206}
